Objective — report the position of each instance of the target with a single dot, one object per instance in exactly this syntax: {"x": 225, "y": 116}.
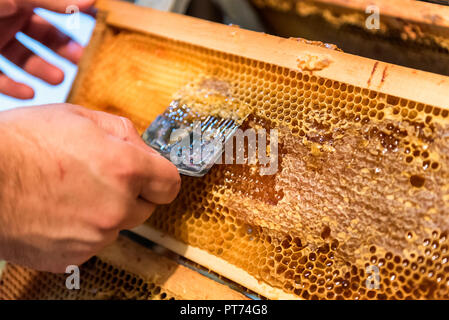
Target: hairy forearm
{"x": 68, "y": 180}
{"x": 8, "y": 174}
{"x": 18, "y": 178}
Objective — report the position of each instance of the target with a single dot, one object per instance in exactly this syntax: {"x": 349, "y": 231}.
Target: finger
{"x": 28, "y": 61}
{"x": 25, "y": 59}
{"x": 140, "y": 212}
{"x": 116, "y": 126}
{"x": 15, "y": 89}
{"x": 42, "y": 31}
{"x": 7, "y": 8}
{"x": 56, "y": 5}
{"x": 155, "y": 178}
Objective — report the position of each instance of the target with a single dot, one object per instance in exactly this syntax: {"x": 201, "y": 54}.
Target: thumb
{"x": 56, "y": 5}
{"x": 119, "y": 127}
{"x": 7, "y": 8}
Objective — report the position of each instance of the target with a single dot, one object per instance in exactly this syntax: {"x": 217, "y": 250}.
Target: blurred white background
{"x": 46, "y": 93}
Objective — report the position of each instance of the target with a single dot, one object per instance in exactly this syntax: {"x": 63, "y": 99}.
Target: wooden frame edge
{"x": 362, "y": 72}
{"x": 432, "y": 14}
{"x": 169, "y": 274}
{"x": 214, "y": 263}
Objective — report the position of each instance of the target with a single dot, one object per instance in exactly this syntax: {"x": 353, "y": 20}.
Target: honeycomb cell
{"x": 357, "y": 171}
{"x": 100, "y": 280}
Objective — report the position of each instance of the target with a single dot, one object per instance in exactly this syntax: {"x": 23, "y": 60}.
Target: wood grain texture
{"x": 400, "y": 81}
{"x": 173, "y": 277}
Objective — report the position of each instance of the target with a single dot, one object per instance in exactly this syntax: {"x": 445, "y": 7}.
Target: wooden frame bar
{"x": 212, "y": 262}
{"x": 172, "y": 276}
{"x": 410, "y": 33}
{"x": 362, "y": 72}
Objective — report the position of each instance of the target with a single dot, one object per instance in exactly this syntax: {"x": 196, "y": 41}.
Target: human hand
{"x": 70, "y": 180}
{"x": 18, "y": 15}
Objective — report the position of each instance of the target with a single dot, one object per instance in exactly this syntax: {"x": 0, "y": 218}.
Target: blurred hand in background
{"x": 18, "y": 15}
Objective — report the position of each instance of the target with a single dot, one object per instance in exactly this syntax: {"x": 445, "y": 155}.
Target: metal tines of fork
{"x": 218, "y": 127}
{"x": 193, "y": 148}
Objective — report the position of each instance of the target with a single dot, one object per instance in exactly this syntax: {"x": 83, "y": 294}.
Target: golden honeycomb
{"x": 209, "y": 97}
{"x": 123, "y": 271}
{"x": 99, "y": 281}
{"x": 362, "y": 183}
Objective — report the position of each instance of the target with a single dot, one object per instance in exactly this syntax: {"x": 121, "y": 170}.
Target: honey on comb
{"x": 362, "y": 181}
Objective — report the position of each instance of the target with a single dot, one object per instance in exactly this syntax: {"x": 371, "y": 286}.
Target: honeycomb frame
{"x": 374, "y": 90}
{"x": 124, "y": 271}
